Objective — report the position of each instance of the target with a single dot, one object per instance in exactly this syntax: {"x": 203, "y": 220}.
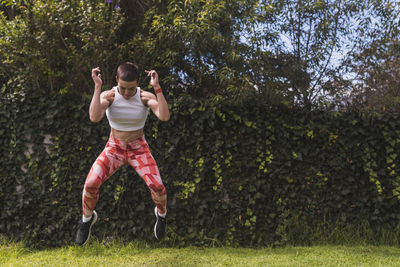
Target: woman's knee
{"x": 92, "y": 186}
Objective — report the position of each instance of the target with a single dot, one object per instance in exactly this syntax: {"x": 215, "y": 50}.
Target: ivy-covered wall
{"x": 236, "y": 175}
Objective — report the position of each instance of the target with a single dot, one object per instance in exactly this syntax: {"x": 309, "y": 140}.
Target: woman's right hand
{"x": 96, "y": 76}
{"x": 109, "y": 96}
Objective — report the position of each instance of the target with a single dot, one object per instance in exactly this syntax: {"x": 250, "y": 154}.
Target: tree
{"x": 312, "y": 32}
{"x": 7, "y": 8}
{"x": 193, "y": 44}
{"x": 369, "y": 79}
{"x": 376, "y": 84}
{"x": 51, "y": 46}
{"x": 204, "y": 49}
{"x": 276, "y": 51}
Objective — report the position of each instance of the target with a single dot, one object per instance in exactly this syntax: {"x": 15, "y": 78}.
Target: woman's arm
{"x": 159, "y": 106}
{"x": 100, "y": 101}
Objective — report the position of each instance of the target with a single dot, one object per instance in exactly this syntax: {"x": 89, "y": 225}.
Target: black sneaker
{"x": 160, "y": 226}
{"x": 83, "y": 234}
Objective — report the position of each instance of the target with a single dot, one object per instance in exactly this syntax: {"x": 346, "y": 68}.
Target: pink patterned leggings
{"x": 118, "y": 153}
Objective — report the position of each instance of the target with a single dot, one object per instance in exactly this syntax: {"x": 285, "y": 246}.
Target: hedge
{"x": 249, "y": 174}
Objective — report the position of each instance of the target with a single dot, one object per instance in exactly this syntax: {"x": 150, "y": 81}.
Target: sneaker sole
{"x": 90, "y": 228}
{"x": 155, "y": 226}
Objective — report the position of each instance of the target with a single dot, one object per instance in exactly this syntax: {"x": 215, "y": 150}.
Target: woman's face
{"x": 127, "y": 89}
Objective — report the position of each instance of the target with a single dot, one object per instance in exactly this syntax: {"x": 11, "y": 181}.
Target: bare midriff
{"x": 127, "y": 136}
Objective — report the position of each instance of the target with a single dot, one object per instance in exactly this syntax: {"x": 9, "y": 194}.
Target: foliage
{"x": 294, "y": 52}
{"x": 196, "y": 46}
{"x": 366, "y": 78}
{"x": 312, "y": 32}
{"x": 377, "y": 73}
{"x": 247, "y": 174}
{"x": 49, "y": 46}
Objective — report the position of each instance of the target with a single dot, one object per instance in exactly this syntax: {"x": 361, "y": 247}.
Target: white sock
{"x": 86, "y": 219}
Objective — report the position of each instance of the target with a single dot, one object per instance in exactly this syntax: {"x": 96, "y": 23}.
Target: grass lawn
{"x": 136, "y": 254}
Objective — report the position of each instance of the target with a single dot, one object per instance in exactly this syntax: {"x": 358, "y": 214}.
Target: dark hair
{"x": 128, "y": 72}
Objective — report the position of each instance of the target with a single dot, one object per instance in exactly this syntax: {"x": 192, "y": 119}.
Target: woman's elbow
{"x": 94, "y": 118}
{"x": 165, "y": 118}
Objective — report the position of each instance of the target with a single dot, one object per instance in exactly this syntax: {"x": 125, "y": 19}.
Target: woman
{"x": 126, "y": 107}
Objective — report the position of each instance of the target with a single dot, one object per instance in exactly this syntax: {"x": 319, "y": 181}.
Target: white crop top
{"x": 127, "y": 115}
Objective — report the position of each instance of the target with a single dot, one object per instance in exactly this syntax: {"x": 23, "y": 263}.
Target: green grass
{"x": 139, "y": 254}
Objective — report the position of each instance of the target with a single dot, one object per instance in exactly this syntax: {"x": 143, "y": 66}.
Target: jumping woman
{"x": 126, "y": 107}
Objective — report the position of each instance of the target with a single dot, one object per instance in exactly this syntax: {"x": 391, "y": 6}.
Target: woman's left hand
{"x": 154, "y": 78}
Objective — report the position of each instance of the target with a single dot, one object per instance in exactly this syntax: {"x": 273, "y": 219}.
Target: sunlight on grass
{"x": 141, "y": 254}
